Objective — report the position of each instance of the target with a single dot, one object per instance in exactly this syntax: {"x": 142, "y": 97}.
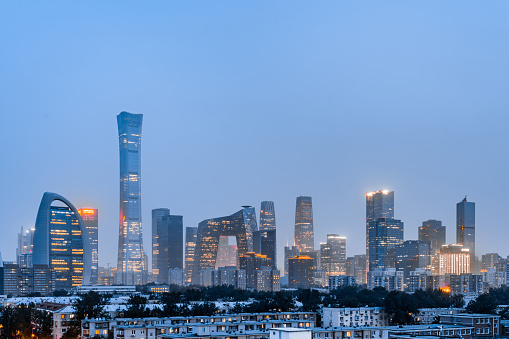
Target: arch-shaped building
{"x": 61, "y": 241}
{"x": 241, "y": 224}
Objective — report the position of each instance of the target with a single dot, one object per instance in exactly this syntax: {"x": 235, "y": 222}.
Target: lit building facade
{"x": 333, "y": 255}
{"x": 25, "y": 247}
{"x": 300, "y": 272}
{"x": 265, "y": 244}
{"x": 304, "y": 235}
{"x": 241, "y": 225}
{"x": 388, "y": 278}
{"x": 384, "y": 235}
{"x": 290, "y": 252}
{"x": 267, "y": 216}
{"x": 465, "y": 225}
{"x": 433, "y": 231}
{"x": 131, "y": 263}
{"x": 252, "y": 262}
{"x": 191, "y": 233}
{"x": 61, "y": 242}
{"x": 454, "y": 259}
{"x": 90, "y": 218}
{"x": 379, "y": 204}
{"x": 167, "y": 243}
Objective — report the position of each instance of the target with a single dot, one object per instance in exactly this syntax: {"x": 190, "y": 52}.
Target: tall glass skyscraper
{"x": 191, "y": 233}
{"x": 379, "y": 204}
{"x": 384, "y": 235}
{"x": 61, "y": 243}
{"x": 333, "y": 255}
{"x": 434, "y": 232}
{"x": 90, "y": 217}
{"x": 465, "y": 225}
{"x": 267, "y": 216}
{"x": 167, "y": 240}
{"x": 131, "y": 264}
{"x": 412, "y": 254}
{"x": 304, "y": 235}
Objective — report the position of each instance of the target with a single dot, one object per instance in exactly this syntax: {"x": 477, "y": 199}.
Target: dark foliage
{"x": 485, "y": 303}
{"x": 24, "y": 320}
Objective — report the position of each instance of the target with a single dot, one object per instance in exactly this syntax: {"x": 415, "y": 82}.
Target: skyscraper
{"x": 90, "y": 217}
{"x": 333, "y": 255}
{"x": 167, "y": 243}
{"x": 411, "y": 255}
{"x": 465, "y": 225}
{"x": 433, "y": 231}
{"x": 384, "y": 235}
{"x": 267, "y": 216}
{"x": 241, "y": 224}
{"x": 157, "y": 218}
{"x": 25, "y": 247}
{"x": 131, "y": 266}
{"x": 265, "y": 244}
{"x": 61, "y": 242}
{"x": 304, "y": 234}
{"x": 191, "y": 233}
{"x": 379, "y": 204}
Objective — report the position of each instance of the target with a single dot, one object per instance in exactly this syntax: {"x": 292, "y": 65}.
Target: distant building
{"x": 411, "y": 255}
{"x": 252, "y": 262}
{"x": 167, "y": 243}
{"x": 379, "y": 204}
{"x": 388, "y": 278}
{"x": 267, "y": 279}
{"x": 25, "y": 247}
{"x": 333, "y": 255}
{"x": 22, "y": 281}
{"x": 465, "y": 225}
{"x": 354, "y": 316}
{"x": 90, "y": 217}
{"x": 61, "y": 243}
{"x": 241, "y": 224}
{"x": 191, "y": 233}
{"x": 492, "y": 261}
{"x": 454, "y": 259}
{"x": 267, "y": 216}
{"x": 465, "y": 283}
{"x": 176, "y": 276}
{"x": 493, "y": 278}
{"x": 290, "y": 252}
{"x": 421, "y": 279}
{"x": 300, "y": 272}
{"x": 433, "y": 231}
{"x": 304, "y": 234}
{"x": 338, "y": 281}
{"x": 131, "y": 264}
{"x": 356, "y": 266}
{"x": 384, "y": 235}
{"x": 265, "y": 244}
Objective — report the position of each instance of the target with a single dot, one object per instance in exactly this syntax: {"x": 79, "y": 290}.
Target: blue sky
{"x": 252, "y": 101}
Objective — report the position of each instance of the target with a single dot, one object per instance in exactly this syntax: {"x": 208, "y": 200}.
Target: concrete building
{"x": 354, "y": 316}
{"x": 388, "y": 278}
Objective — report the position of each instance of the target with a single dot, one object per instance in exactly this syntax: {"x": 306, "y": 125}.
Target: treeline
{"x": 25, "y": 321}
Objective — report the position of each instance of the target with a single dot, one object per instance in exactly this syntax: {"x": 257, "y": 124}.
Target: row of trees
{"x": 23, "y": 321}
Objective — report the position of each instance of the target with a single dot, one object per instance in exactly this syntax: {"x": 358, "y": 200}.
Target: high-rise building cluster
{"x": 61, "y": 251}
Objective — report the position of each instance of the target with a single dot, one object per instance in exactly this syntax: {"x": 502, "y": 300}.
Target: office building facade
{"x": 25, "y": 247}
{"x": 411, "y": 255}
{"x": 333, "y": 255}
{"x": 384, "y": 235}
{"x": 379, "y": 204}
{"x": 304, "y": 236}
{"x": 131, "y": 263}
{"x": 265, "y": 244}
{"x": 267, "y": 216}
{"x": 465, "y": 225}
{"x": 454, "y": 259}
{"x": 167, "y": 244}
{"x": 356, "y": 266}
{"x": 90, "y": 218}
{"x": 241, "y": 225}
{"x": 191, "y": 233}
{"x": 300, "y": 272}
{"x": 61, "y": 242}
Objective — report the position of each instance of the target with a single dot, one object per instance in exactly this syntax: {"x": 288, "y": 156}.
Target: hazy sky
{"x": 245, "y": 101}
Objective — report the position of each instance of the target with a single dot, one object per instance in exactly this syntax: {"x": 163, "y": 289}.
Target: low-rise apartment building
{"x": 354, "y": 316}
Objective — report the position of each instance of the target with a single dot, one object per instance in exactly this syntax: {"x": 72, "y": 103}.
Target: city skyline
{"x": 327, "y": 101}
